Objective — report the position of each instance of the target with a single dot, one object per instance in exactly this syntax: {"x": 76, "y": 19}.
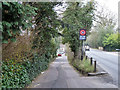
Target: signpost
{"x": 82, "y": 36}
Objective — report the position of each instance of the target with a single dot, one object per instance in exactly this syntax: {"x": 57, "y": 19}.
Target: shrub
{"x": 36, "y": 66}
{"x": 83, "y": 66}
{"x": 18, "y": 75}
{"x": 111, "y": 42}
{"x": 14, "y": 75}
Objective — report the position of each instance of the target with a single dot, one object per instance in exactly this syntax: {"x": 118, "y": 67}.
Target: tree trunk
{"x": 78, "y": 53}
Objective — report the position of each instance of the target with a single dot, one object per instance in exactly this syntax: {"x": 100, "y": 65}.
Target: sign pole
{"x": 82, "y": 51}
{"x": 82, "y": 36}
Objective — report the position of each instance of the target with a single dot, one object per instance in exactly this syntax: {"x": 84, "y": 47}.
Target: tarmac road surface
{"x": 107, "y": 60}
{"x": 62, "y": 75}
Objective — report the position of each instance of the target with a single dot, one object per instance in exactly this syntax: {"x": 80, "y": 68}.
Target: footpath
{"x": 62, "y": 75}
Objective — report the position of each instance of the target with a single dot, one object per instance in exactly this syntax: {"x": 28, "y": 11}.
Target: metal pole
{"x": 91, "y": 61}
{"x": 82, "y": 51}
{"x": 94, "y": 66}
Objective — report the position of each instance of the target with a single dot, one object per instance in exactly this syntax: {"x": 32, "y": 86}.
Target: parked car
{"x": 118, "y": 50}
{"x": 87, "y": 48}
{"x": 60, "y": 53}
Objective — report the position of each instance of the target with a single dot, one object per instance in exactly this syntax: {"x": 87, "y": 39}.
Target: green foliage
{"x": 92, "y": 39}
{"x": 15, "y": 17}
{"x": 46, "y": 30}
{"x": 14, "y": 75}
{"x": 83, "y": 66}
{"x": 112, "y": 41}
{"x": 105, "y": 24}
{"x": 36, "y": 66}
{"x": 77, "y": 15}
{"x": 18, "y": 75}
{"x": 95, "y": 39}
{"x": 43, "y": 38}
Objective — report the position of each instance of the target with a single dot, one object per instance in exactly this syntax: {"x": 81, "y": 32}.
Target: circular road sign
{"x": 82, "y": 32}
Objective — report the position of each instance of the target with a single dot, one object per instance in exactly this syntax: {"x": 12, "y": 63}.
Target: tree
{"x": 15, "y": 18}
{"x": 105, "y": 24}
{"x": 95, "y": 39}
{"x": 92, "y": 39}
{"x": 43, "y": 36}
{"x": 77, "y": 15}
{"x": 112, "y": 41}
{"x": 46, "y": 28}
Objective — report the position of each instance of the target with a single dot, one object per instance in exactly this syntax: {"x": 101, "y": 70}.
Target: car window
{"x": 60, "y": 52}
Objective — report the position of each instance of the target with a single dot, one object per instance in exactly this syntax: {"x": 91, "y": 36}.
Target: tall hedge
{"x": 34, "y": 27}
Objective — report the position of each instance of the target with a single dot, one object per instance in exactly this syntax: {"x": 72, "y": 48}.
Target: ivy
{"x": 18, "y": 72}
{"x": 19, "y": 75}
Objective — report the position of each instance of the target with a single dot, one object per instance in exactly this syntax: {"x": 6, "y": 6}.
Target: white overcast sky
{"x": 111, "y": 5}
{"x": 108, "y": 5}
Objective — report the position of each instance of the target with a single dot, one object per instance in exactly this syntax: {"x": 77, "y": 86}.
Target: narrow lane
{"x": 62, "y": 75}
{"x": 107, "y": 60}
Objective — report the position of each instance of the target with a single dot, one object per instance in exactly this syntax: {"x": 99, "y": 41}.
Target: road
{"x": 62, "y": 75}
{"x": 107, "y": 60}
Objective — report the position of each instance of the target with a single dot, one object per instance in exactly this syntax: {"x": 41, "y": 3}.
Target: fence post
{"x": 91, "y": 60}
{"x": 94, "y": 66}
{"x": 81, "y": 58}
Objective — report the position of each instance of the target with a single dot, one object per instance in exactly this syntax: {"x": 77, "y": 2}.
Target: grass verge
{"x": 83, "y": 66}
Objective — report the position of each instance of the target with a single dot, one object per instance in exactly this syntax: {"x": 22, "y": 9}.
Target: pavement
{"x": 62, "y": 75}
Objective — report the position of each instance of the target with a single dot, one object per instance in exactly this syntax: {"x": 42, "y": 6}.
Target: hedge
{"x": 19, "y": 75}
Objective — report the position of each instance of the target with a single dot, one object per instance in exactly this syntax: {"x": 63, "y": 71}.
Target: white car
{"x": 87, "y": 48}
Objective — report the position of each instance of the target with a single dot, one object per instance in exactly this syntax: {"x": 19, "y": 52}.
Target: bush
{"x": 111, "y": 42}
{"x": 14, "y": 75}
{"x": 83, "y": 66}
{"x": 36, "y": 66}
{"x": 18, "y": 75}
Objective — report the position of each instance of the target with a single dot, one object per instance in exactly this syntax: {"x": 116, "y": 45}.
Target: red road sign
{"x": 82, "y": 32}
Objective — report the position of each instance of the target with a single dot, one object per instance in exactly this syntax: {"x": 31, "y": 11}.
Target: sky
{"x": 111, "y": 5}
